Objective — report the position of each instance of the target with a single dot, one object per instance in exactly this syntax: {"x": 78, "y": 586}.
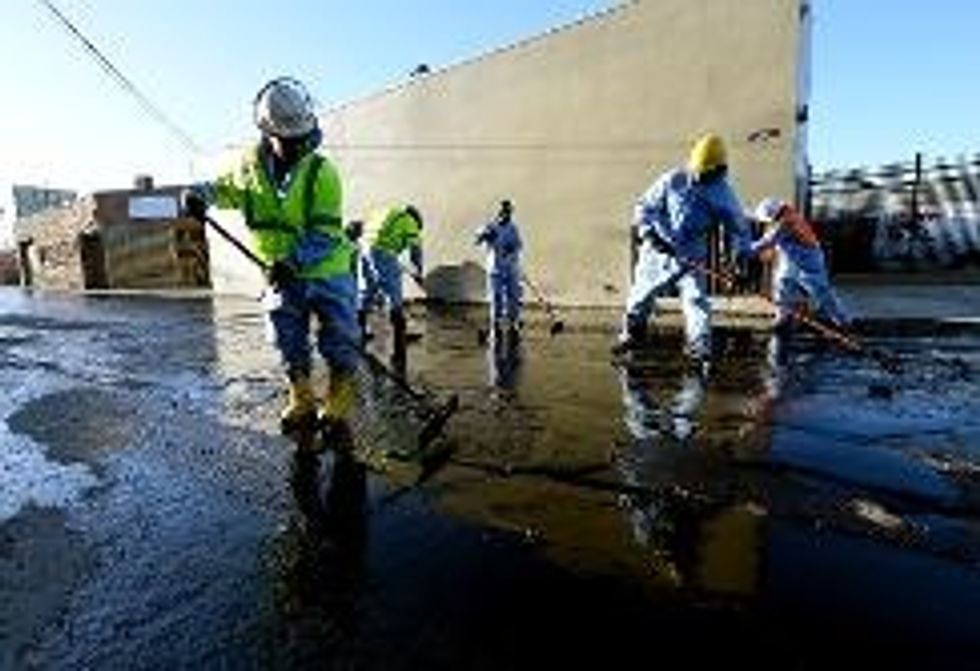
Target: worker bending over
{"x": 672, "y": 221}
{"x": 800, "y": 268}
{"x": 389, "y": 233}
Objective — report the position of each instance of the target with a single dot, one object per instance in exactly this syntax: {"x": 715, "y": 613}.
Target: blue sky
{"x": 894, "y": 77}
{"x": 884, "y": 84}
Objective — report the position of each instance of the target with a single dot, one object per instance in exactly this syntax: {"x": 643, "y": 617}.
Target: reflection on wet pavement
{"x": 577, "y": 511}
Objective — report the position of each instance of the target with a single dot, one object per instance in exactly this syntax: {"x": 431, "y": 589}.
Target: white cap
{"x": 283, "y": 108}
{"x": 769, "y": 209}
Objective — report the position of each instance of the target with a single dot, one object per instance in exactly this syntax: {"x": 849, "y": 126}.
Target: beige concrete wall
{"x": 572, "y": 126}
{"x": 231, "y": 273}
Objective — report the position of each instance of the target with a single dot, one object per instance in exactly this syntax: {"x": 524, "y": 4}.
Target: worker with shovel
{"x": 800, "y": 269}
{"x": 503, "y": 243}
{"x": 290, "y": 198}
{"x": 672, "y": 220}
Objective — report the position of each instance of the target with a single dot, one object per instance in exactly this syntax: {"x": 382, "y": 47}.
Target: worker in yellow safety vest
{"x": 290, "y": 197}
{"x": 387, "y": 234}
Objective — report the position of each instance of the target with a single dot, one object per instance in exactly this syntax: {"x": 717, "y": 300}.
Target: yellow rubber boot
{"x": 301, "y": 408}
{"x": 341, "y": 397}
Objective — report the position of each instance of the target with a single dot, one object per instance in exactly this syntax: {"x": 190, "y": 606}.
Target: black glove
{"x": 281, "y": 274}
{"x": 661, "y": 245}
{"x": 354, "y": 230}
{"x": 193, "y": 205}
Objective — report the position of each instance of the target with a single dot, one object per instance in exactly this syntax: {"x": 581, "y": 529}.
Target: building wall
{"x": 150, "y": 249}
{"x": 231, "y": 273}
{"x": 8, "y": 266}
{"x": 572, "y": 126}
{"x": 24, "y": 201}
{"x": 30, "y": 200}
{"x": 8, "y": 212}
{"x": 50, "y": 245}
{"x": 114, "y": 239}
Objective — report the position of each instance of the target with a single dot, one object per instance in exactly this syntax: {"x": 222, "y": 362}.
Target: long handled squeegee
{"x": 435, "y": 415}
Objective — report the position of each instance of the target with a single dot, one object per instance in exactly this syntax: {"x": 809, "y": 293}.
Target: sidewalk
{"x": 953, "y": 302}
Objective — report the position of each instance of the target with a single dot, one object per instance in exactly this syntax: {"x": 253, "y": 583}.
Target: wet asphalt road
{"x": 819, "y": 511}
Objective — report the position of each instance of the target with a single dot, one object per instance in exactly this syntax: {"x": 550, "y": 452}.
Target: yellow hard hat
{"x": 707, "y": 154}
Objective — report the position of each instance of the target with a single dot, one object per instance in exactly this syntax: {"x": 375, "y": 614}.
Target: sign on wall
{"x": 153, "y": 207}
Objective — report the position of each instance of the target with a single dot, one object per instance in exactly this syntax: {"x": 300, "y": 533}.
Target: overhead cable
{"x": 123, "y": 81}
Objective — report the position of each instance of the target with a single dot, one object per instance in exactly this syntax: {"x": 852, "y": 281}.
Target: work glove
{"x": 661, "y": 245}
{"x": 193, "y": 205}
{"x": 354, "y": 230}
{"x": 485, "y": 236}
{"x": 281, "y": 274}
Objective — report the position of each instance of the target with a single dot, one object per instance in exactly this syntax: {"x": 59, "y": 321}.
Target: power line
{"x": 123, "y": 81}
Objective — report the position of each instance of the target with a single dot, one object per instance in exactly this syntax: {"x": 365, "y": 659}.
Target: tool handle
{"x": 223, "y": 232}
{"x": 415, "y": 279}
{"x": 365, "y": 354}
{"x": 537, "y": 294}
{"x": 848, "y": 342}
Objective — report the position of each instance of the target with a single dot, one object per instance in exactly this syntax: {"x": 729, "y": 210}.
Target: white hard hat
{"x": 769, "y": 209}
{"x": 284, "y": 108}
